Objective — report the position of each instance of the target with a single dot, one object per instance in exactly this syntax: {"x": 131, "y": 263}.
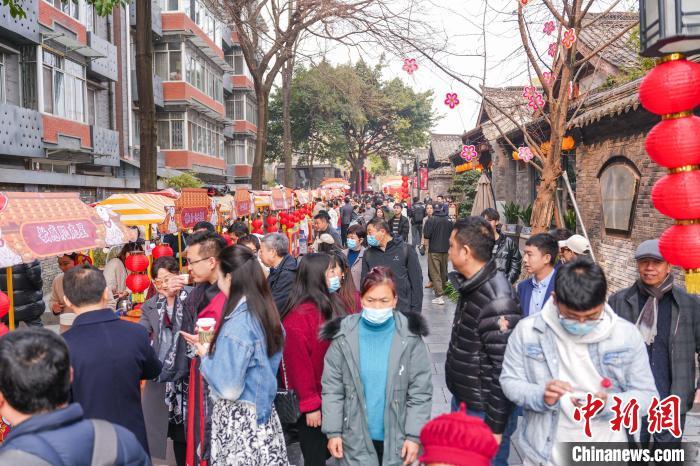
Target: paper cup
{"x": 206, "y": 328}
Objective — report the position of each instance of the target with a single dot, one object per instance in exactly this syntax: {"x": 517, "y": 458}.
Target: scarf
{"x": 650, "y": 312}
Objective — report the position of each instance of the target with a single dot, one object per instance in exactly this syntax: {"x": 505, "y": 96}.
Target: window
{"x": 70, "y": 7}
{"x": 170, "y": 129}
{"x": 204, "y": 76}
{"x": 242, "y": 107}
{"x": 205, "y": 135}
{"x": 92, "y": 105}
{"x": 90, "y": 17}
{"x": 619, "y": 182}
{"x": 239, "y": 151}
{"x": 167, "y": 61}
{"x": 2, "y": 78}
{"x": 136, "y": 128}
{"x": 64, "y": 87}
{"x": 28, "y": 77}
{"x": 237, "y": 62}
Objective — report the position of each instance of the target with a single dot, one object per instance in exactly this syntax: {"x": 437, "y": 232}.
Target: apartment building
{"x": 69, "y": 103}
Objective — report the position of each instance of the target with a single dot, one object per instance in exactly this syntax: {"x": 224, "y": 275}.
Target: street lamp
{"x": 669, "y": 26}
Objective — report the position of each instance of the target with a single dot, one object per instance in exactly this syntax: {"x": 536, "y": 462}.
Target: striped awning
{"x": 139, "y": 209}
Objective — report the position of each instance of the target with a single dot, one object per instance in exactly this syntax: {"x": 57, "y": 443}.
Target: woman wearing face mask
{"x": 347, "y": 293}
{"x": 310, "y": 305}
{"x": 356, "y": 251}
{"x": 374, "y": 353}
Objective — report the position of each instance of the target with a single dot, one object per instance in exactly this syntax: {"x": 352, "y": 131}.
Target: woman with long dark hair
{"x": 241, "y": 367}
{"x": 311, "y": 304}
{"x": 347, "y": 293}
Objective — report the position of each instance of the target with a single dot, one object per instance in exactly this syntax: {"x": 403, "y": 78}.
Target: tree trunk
{"x": 147, "y": 110}
{"x": 311, "y": 173}
{"x": 357, "y": 174}
{"x": 287, "y": 71}
{"x": 261, "y": 142}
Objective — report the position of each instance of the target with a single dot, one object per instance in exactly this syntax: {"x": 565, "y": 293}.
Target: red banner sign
{"x": 424, "y": 178}
{"x": 48, "y": 238}
{"x": 191, "y": 215}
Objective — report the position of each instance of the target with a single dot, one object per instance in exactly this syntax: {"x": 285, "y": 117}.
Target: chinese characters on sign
{"x": 190, "y": 216}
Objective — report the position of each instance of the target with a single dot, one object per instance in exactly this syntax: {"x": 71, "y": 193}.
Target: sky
{"x": 462, "y": 34}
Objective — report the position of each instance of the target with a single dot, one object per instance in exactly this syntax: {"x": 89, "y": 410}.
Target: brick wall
{"x": 49, "y": 270}
{"x": 622, "y": 137}
{"x": 439, "y": 185}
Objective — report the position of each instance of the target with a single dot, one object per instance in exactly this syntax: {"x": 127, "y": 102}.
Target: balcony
{"x": 157, "y": 89}
{"x": 239, "y": 171}
{"x": 181, "y": 92}
{"x": 177, "y": 22}
{"x": 243, "y": 82}
{"x": 188, "y": 160}
{"x": 156, "y": 17}
{"x": 105, "y": 146}
{"x": 21, "y": 30}
{"x": 21, "y": 132}
{"x": 104, "y": 68}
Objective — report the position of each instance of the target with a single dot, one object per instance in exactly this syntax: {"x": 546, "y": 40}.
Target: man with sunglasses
{"x": 575, "y": 346}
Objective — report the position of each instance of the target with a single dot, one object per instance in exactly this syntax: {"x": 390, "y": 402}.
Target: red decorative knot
{"x": 606, "y": 382}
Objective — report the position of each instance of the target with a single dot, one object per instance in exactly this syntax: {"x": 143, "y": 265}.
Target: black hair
{"x": 546, "y": 245}
{"x": 249, "y": 239}
{"x": 210, "y": 243}
{"x": 358, "y": 230}
{"x": 310, "y": 285}
{"x": 581, "y": 284}
{"x": 415, "y": 199}
{"x": 476, "y": 233}
{"x": 348, "y": 290}
{"x": 84, "y": 285}
{"x": 329, "y": 248}
{"x": 249, "y": 280}
{"x": 168, "y": 263}
{"x": 560, "y": 234}
{"x": 323, "y": 215}
{"x": 239, "y": 229}
{"x": 491, "y": 214}
{"x": 34, "y": 370}
{"x": 204, "y": 226}
{"x": 130, "y": 247}
{"x": 379, "y": 224}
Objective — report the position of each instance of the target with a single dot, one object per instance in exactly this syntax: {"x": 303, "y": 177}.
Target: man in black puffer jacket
{"x": 505, "y": 251}
{"x": 485, "y": 317}
{"x": 28, "y": 293}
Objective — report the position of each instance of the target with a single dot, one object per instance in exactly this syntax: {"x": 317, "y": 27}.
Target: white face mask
{"x": 377, "y": 316}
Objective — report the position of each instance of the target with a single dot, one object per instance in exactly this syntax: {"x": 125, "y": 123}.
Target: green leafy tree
{"x": 463, "y": 190}
{"x": 184, "y": 180}
{"x": 377, "y": 165}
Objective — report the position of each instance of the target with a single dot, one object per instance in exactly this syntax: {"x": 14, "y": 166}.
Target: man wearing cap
{"x": 573, "y": 247}
{"x": 668, "y": 319}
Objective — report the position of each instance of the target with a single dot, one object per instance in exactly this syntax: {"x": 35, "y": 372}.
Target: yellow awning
{"x": 139, "y": 209}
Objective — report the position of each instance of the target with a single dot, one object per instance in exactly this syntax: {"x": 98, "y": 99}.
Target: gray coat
{"x": 685, "y": 337}
{"x": 356, "y": 269}
{"x": 409, "y": 390}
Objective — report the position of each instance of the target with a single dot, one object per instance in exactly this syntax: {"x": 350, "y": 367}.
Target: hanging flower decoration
{"x": 552, "y": 50}
{"x": 537, "y": 102}
{"x": 468, "y": 153}
{"x": 524, "y": 2}
{"x": 525, "y": 154}
{"x": 451, "y": 99}
{"x": 529, "y": 92}
{"x": 410, "y": 65}
{"x": 548, "y": 78}
{"x": 569, "y": 38}
{"x": 548, "y": 28}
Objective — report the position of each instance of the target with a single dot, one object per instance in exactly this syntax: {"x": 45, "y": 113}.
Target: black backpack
{"x": 418, "y": 213}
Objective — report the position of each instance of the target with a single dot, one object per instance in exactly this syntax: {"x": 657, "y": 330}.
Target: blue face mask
{"x": 334, "y": 284}
{"x": 372, "y": 241}
{"x": 352, "y": 244}
{"x": 575, "y": 327}
{"x": 377, "y": 316}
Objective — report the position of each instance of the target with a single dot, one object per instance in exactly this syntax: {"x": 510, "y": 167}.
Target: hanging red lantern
{"x": 678, "y": 195}
{"x": 257, "y": 223}
{"x": 4, "y": 304}
{"x": 671, "y": 87}
{"x": 258, "y": 231}
{"x": 138, "y": 283}
{"x": 162, "y": 250}
{"x": 680, "y": 245}
{"x": 674, "y": 142}
{"x": 271, "y": 220}
{"x": 136, "y": 262}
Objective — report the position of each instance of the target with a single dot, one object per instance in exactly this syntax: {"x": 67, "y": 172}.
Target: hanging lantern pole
{"x": 11, "y": 296}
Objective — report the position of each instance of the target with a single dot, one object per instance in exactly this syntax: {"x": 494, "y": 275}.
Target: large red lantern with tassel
{"x": 138, "y": 283}
{"x": 672, "y": 90}
{"x": 162, "y": 250}
{"x": 136, "y": 262}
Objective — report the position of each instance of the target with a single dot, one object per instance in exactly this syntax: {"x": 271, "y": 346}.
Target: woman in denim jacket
{"x": 241, "y": 367}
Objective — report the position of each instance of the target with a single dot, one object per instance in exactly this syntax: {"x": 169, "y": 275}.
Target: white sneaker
{"x": 439, "y": 301}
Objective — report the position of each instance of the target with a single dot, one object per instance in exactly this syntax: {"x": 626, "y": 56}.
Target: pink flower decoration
{"x": 524, "y": 2}
{"x": 548, "y": 28}
{"x": 569, "y": 38}
{"x": 548, "y": 78}
{"x": 552, "y": 50}
{"x": 529, "y": 92}
{"x": 451, "y": 99}
{"x": 410, "y": 65}
{"x": 468, "y": 153}
{"x": 525, "y": 154}
{"x": 537, "y": 102}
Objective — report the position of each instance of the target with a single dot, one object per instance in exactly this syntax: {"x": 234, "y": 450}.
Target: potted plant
{"x": 525, "y": 215}
{"x": 570, "y": 220}
{"x": 512, "y": 212}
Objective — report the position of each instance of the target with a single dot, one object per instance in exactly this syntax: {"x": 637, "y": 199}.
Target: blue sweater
{"x": 375, "y": 345}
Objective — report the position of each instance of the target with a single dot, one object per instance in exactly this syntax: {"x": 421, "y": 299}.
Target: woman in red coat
{"x": 311, "y": 304}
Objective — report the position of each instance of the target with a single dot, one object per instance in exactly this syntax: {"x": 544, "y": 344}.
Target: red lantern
{"x": 257, "y": 224}
{"x": 4, "y": 304}
{"x": 258, "y": 231}
{"x": 136, "y": 262}
{"x": 671, "y": 87}
{"x": 271, "y": 220}
{"x": 405, "y": 179}
{"x": 678, "y": 195}
{"x": 137, "y": 283}
{"x": 162, "y": 250}
{"x": 680, "y": 245}
{"x": 674, "y": 143}
{"x": 283, "y": 216}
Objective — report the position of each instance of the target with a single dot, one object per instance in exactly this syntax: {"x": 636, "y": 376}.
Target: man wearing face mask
{"x": 575, "y": 346}
{"x": 392, "y": 252}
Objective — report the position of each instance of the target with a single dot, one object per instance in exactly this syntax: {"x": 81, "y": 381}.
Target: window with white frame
{"x": 92, "y": 105}
{"x": 242, "y": 107}
{"x": 64, "y": 87}
{"x": 203, "y": 75}
{"x": 239, "y": 151}
{"x": 205, "y": 135}
{"x": 167, "y": 61}
{"x": 204, "y": 18}
{"x": 250, "y": 152}
{"x": 2, "y": 78}
{"x": 170, "y": 129}
{"x": 236, "y": 60}
{"x": 72, "y": 8}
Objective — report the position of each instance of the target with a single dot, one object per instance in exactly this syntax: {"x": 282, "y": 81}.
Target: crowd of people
{"x": 254, "y": 349}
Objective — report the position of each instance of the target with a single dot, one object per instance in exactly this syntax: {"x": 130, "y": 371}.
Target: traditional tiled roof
{"x": 615, "y": 101}
{"x": 510, "y": 100}
{"x": 599, "y": 29}
{"x": 444, "y": 145}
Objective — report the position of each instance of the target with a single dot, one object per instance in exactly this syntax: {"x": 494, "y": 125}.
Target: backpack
{"x": 418, "y": 213}
{"x": 104, "y": 450}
